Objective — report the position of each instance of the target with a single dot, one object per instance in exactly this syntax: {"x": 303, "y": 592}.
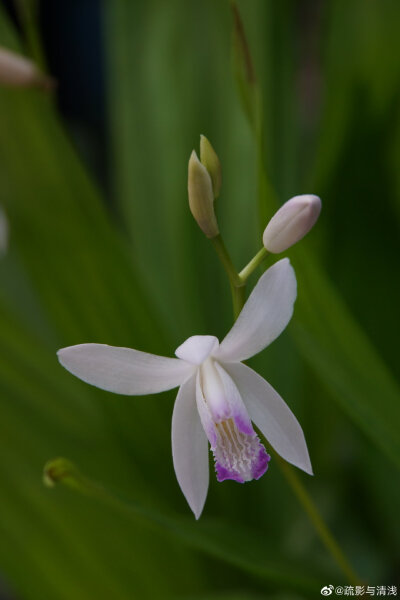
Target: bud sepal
{"x": 201, "y": 196}
{"x": 209, "y": 158}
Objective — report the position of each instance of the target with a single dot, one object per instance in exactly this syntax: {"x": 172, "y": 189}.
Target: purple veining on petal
{"x": 238, "y": 456}
{"x": 223, "y": 473}
{"x": 261, "y": 465}
{"x": 243, "y": 423}
{"x": 233, "y": 401}
{"x": 221, "y": 414}
{"x": 238, "y": 453}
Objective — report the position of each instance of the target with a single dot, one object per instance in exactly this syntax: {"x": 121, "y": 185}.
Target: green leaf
{"x": 66, "y": 240}
{"x": 246, "y": 79}
{"x": 343, "y": 358}
{"x": 242, "y": 547}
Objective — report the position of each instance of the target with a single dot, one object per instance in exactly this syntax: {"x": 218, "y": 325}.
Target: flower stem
{"x": 238, "y": 289}
{"x": 237, "y": 280}
{"x": 238, "y": 299}
{"x": 322, "y": 529}
{"x": 253, "y": 264}
{"x": 226, "y": 261}
{"x": 325, "y": 535}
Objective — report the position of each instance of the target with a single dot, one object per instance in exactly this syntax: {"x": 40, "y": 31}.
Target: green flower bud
{"x": 56, "y": 470}
{"x": 210, "y": 160}
{"x": 201, "y": 196}
{"x": 61, "y": 470}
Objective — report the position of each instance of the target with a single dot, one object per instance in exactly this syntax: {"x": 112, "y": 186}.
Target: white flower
{"x": 219, "y": 397}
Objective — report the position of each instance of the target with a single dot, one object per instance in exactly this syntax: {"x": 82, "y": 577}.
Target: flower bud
{"x": 61, "y": 470}
{"x": 210, "y": 160}
{"x": 201, "y": 196}
{"x": 18, "y": 71}
{"x": 291, "y": 223}
{"x": 55, "y": 470}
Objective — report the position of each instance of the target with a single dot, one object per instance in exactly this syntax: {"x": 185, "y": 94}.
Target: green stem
{"x": 238, "y": 299}
{"x": 253, "y": 264}
{"x": 237, "y": 280}
{"x": 226, "y": 261}
{"x": 238, "y": 289}
{"x": 322, "y": 529}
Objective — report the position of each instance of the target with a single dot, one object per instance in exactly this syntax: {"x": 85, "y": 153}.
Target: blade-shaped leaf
{"x": 243, "y": 548}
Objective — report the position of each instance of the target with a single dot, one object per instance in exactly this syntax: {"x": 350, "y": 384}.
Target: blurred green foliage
{"x": 143, "y": 276}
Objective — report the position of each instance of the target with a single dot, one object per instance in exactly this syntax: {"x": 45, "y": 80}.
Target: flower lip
{"x": 197, "y": 348}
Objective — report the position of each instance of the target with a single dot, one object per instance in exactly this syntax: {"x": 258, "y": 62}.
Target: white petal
{"x": 123, "y": 370}
{"x": 214, "y": 391}
{"x": 190, "y": 448}
{"x": 205, "y": 415}
{"x": 218, "y": 400}
{"x": 196, "y": 348}
{"x": 272, "y": 416}
{"x": 265, "y": 315}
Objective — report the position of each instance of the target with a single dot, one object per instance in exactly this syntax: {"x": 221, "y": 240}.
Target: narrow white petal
{"x": 271, "y": 415}
{"x": 123, "y": 370}
{"x": 190, "y": 448}
{"x": 265, "y": 315}
{"x": 196, "y": 348}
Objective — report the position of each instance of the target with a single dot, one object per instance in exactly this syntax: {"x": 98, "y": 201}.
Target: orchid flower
{"x": 219, "y": 397}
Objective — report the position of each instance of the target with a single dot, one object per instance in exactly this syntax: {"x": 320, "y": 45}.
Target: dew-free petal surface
{"x": 265, "y": 315}
{"x": 272, "y": 416}
{"x": 190, "y": 448}
{"x": 123, "y": 370}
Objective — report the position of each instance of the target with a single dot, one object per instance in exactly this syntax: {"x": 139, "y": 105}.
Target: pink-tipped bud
{"x": 18, "y": 71}
{"x": 291, "y": 223}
